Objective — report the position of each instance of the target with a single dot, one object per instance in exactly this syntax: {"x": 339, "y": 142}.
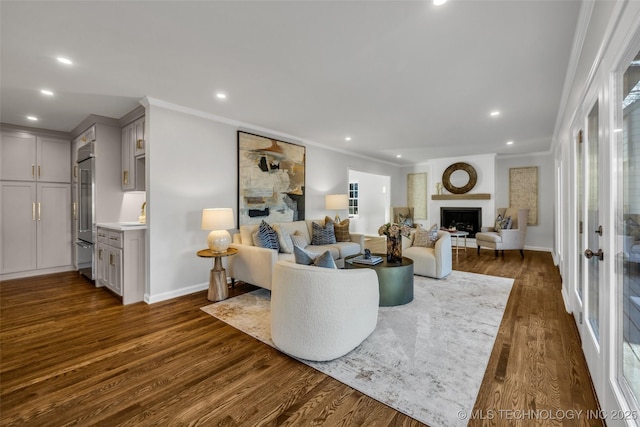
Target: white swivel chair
{"x": 322, "y": 313}
{"x": 431, "y": 262}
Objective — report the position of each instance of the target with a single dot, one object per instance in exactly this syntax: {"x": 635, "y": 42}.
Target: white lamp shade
{"x": 337, "y": 201}
{"x": 219, "y": 220}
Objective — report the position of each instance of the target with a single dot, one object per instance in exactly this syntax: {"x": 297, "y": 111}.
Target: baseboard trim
{"x": 150, "y": 299}
{"x": 30, "y": 273}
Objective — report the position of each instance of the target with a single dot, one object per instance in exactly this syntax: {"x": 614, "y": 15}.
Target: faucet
{"x": 142, "y": 219}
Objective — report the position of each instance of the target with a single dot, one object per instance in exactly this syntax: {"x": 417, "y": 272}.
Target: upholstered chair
{"x": 322, "y": 313}
{"x": 505, "y": 239}
{"x": 431, "y": 262}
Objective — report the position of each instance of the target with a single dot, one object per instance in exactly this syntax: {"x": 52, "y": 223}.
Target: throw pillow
{"x": 325, "y": 260}
{"x": 284, "y": 239}
{"x": 298, "y": 239}
{"x": 303, "y": 257}
{"x": 507, "y": 224}
{"x": 323, "y": 235}
{"x": 405, "y": 219}
{"x": 498, "y": 225}
{"x": 340, "y": 229}
{"x": 308, "y": 258}
{"x": 426, "y": 238}
{"x": 421, "y": 238}
{"x": 267, "y": 237}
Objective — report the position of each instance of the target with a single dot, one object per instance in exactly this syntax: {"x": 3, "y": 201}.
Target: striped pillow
{"x": 323, "y": 235}
{"x": 267, "y": 237}
{"x": 341, "y": 229}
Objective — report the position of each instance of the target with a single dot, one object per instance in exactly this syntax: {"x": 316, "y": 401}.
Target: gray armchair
{"x": 505, "y": 239}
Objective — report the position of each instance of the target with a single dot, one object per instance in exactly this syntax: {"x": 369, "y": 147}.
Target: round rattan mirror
{"x": 464, "y": 167}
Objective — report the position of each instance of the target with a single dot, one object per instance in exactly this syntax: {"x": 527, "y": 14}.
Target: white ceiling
{"x": 399, "y": 77}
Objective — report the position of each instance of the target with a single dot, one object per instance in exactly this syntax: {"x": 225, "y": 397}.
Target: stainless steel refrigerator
{"x": 86, "y": 211}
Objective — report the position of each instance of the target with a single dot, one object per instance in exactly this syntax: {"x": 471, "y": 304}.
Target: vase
{"x": 394, "y": 249}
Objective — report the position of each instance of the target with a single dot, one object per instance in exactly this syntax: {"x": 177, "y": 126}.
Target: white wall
{"x": 191, "y": 165}
{"x": 485, "y": 168}
{"x": 541, "y": 236}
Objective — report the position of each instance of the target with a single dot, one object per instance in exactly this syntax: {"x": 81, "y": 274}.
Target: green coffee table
{"x": 394, "y": 279}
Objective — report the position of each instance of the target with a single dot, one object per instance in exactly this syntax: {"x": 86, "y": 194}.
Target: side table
{"x": 457, "y": 235}
{"x": 218, "y": 288}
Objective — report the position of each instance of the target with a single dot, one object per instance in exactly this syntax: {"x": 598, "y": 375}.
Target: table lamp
{"x": 218, "y": 220}
{"x": 337, "y": 202}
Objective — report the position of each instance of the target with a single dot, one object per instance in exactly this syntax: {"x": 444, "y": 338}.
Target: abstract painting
{"x": 271, "y": 178}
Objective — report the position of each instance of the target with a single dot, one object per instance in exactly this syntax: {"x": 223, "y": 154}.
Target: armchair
{"x": 322, "y": 313}
{"x": 505, "y": 239}
{"x": 431, "y": 262}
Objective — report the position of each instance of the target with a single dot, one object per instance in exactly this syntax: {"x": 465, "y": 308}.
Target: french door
{"x": 627, "y": 234}
{"x": 591, "y": 206}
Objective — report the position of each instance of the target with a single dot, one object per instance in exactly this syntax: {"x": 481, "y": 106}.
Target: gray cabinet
{"x": 27, "y": 157}
{"x": 35, "y": 204}
{"x": 120, "y": 262}
{"x": 133, "y": 150}
{"x": 36, "y": 226}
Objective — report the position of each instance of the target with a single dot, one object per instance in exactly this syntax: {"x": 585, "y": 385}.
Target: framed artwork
{"x": 523, "y": 191}
{"x": 417, "y": 194}
{"x": 271, "y": 178}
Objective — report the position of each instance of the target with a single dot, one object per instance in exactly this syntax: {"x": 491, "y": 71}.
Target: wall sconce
{"x": 337, "y": 202}
{"x": 219, "y": 220}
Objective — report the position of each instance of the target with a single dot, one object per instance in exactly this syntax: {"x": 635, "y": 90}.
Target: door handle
{"x": 39, "y": 171}
{"x": 33, "y": 211}
{"x": 38, "y": 211}
{"x": 588, "y": 253}
{"x": 75, "y": 211}
{"x": 599, "y": 231}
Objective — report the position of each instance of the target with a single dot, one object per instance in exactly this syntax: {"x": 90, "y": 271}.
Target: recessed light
{"x": 495, "y": 113}
{"x": 64, "y": 60}
{"x": 617, "y": 130}
{"x": 46, "y": 92}
{"x": 348, "y": 138}
{"x": 439, "y": 2}
{"x": 398, "y": 155}
{"x": 509, "y": 142}
{"x": 221, "y": 95}
{"x": 32, "y": 118}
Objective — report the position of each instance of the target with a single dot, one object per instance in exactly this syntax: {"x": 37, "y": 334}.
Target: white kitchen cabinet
{"x": 132, "y": 150}
{"x": 27, "y": 157}
{"x": 36, "y": 227}
{"x": 120, "y": 262}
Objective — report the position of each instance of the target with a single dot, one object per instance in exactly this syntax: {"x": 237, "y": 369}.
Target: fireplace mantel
{"x": 475, "y": 196}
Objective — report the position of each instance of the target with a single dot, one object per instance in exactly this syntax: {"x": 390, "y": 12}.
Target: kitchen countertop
{"x": 122, "y": 226}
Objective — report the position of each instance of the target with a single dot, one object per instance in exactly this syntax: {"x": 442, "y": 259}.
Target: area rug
{"x": 425, "y": 359}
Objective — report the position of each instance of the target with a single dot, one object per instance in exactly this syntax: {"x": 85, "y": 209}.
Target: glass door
{"x": 590, "y": 207}
{"x": 628, "y": 234}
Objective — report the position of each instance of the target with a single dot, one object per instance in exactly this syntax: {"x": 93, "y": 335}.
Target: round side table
{"x": 395, "y": 280}
{"x": 218, "y": 288}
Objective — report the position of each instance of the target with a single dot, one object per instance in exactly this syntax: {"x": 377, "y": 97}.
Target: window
{"x": 353, "y": 199}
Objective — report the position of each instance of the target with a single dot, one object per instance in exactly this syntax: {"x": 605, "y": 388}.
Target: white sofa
{"x": 431, "y": 262}
{"x": 254, "y": 265}
{"x": 322, "y": 313}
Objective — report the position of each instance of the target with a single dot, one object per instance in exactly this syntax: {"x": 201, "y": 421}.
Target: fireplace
{"x": 463, "y": 219}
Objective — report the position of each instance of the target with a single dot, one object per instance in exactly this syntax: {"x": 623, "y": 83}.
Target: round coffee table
{"x": 395, "y": 280}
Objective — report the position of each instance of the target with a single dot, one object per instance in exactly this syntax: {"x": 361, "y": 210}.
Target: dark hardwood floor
{"x": 71, "y": 354}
